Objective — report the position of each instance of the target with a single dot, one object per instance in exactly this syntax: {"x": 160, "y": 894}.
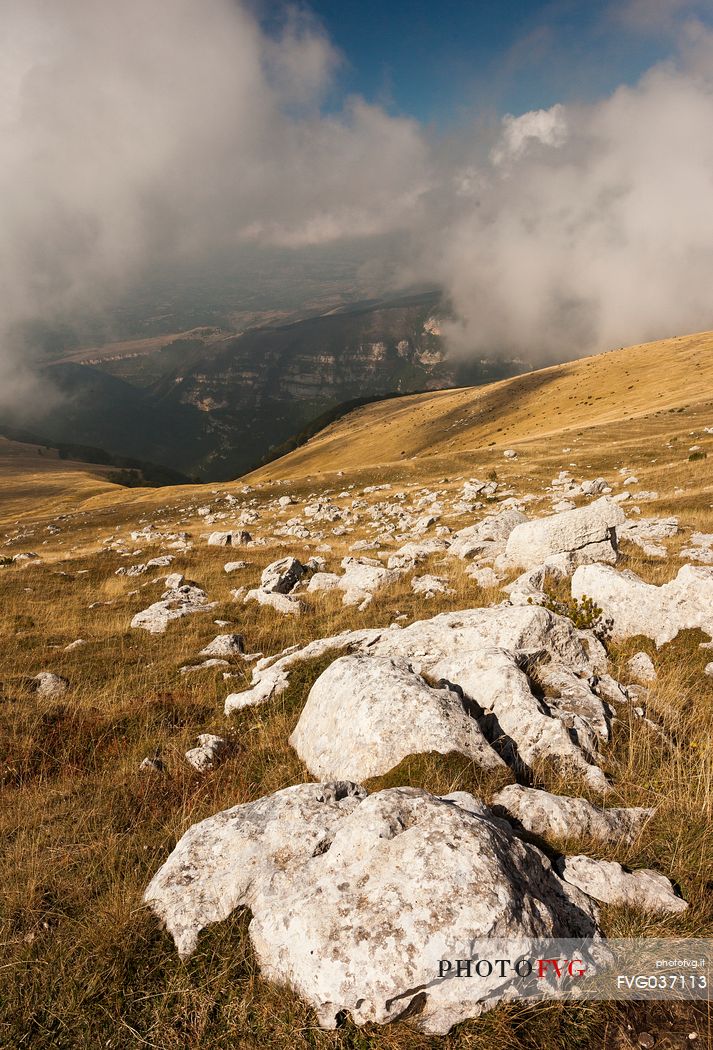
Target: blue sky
{"x": 443, "y": 63}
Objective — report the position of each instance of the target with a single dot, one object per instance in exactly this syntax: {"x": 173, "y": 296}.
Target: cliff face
{"x": 215, "y": 405}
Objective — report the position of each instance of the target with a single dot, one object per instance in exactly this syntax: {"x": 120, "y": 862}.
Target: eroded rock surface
{"x": 354, "y": 899}
{"x": 607, "y": 881}
{"x": 365, "y": 713}
{"x": 575, "y": 537}
{"x": 485, "y": 655}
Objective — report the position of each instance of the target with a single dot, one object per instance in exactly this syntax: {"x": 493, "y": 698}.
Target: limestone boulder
{"x": 355, "y": 900}
{"x": 282, "y": 576}
{"x": 575, "y": 537}
{"x": 636, "y": 607}
{"x": 610, "y": 883}
{"x": 365, "y": 713}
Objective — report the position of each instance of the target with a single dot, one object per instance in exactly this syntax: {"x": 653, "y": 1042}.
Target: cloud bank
{"x": 146, "y": 131}
{"x": 590, "y": 227}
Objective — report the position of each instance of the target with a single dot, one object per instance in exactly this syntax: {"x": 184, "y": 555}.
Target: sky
{"x": 549, "y": 166}
{"x": 439, "y": 62}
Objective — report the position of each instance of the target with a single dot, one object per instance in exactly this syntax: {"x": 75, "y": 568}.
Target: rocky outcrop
{"x": 636, "y": 607}
{"x": 354, "y": 900}
{"x": 365, "y": 713}
{"x": 485, "y": 656}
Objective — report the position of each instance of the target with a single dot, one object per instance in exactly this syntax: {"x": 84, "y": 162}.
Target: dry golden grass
{"x": 83, "y": 963}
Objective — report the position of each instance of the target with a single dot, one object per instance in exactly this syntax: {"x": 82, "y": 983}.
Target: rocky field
{"x": 268, "y": 746}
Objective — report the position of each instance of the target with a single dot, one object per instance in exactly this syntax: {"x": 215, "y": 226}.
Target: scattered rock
{"x": 180, "y": 598}
{"x": 430, "y": 586}
{"x": 152, "y": 765}
{"x": 50, "y": 685}
{"x": 210, "y": 749}
{"x": 559, "y": 816}
{"x": 282, "y": 603}
{"x": 488, "y": 537}
{"x": 642, "y": 667}
{"x": 224, "y": 645}
{"x": 234, "y": 566}
{"x": 607, "y": 881}
{"x": 282, "y": 576}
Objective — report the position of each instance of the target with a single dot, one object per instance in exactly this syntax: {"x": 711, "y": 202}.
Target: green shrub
{"x": 584, "y": 613}
{"x": 698, "y": 455}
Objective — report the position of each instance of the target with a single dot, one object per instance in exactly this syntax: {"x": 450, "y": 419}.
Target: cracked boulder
{"x": 282, "y": 576}
{"x": 559, "y": 816}
{"x": 636, "y": 607}
{"x": 365, "y": 713}
{"x": 574, "y": 537}
{"x": 355, "y": 899}
{"x": 491, "y": 658}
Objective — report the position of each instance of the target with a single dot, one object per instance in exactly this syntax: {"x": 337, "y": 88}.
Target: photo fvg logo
{"x": 541, "y": 969}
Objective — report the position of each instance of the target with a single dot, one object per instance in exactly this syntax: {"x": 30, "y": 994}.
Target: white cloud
{"x": 150, "y": 130}
{"x": 598, "y": 240}
{"x": 548, "y": 127}
{"x": 138, "y": 131}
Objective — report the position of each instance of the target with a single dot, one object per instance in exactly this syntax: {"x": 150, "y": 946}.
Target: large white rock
{"x": 636, "y": 607}
{"x": 365, "y": 713}
{"x": 587, "y": 534}
{"x": 607, "y": 881}
{"x": 559, "y": 816}
{"x": 355, "y": 902}
{"x": 219, "y": 862}
{"x": 180, "y": 599}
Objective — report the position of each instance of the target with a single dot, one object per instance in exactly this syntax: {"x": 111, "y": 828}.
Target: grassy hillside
{"x": 629, "y": 387}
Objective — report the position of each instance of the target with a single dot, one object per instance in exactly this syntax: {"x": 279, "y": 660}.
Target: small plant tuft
{"x": 584, "y": 613}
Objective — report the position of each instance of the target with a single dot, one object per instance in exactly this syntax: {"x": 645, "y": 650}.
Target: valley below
{"x": 214, "y": 403}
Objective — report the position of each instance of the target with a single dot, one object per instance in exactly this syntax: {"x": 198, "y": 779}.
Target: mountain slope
{"x": 621, "y": 386}
{"x": 214, "y": 403}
